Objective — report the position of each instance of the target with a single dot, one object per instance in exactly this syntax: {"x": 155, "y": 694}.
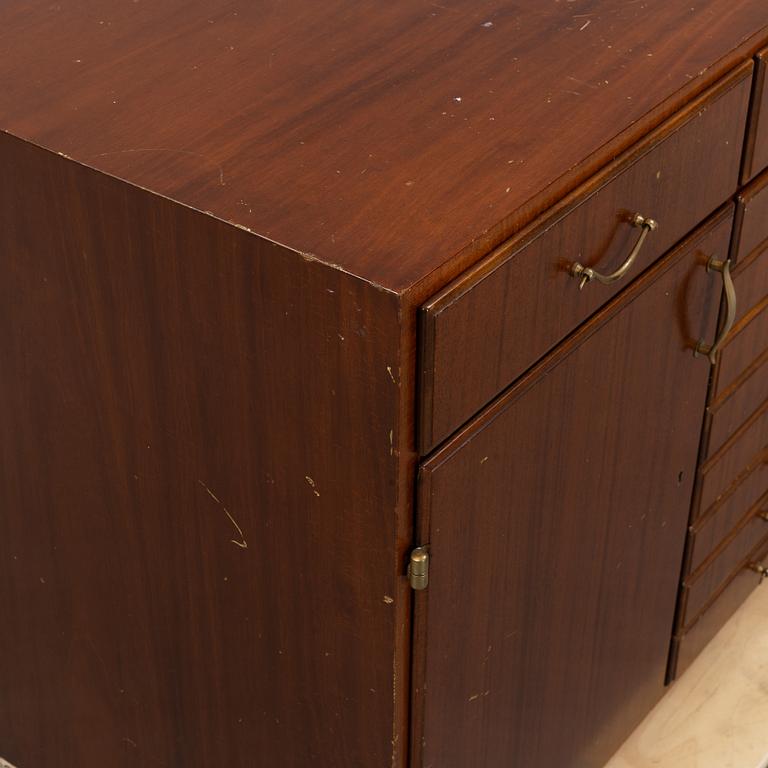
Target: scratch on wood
{"x": 476, "y": 696}
{"x": 312, "y": 485}
{"x": 391, "y": 375}
{"x": 173, "y": 152}
{"x": 243, "y": 544}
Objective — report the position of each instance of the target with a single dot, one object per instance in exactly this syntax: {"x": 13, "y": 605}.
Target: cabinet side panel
{"x": 198, "y": 488}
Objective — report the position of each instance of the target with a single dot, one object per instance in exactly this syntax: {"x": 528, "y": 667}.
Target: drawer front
{"x": 751, "y": 278}
{"x": 688, "y": 643}
{"x": 746, "y": 343}
{"x": 751, "y": 230}
{"x": 702, "y": 588}
{"x": 489, "y": 326}
{"x": 742, "y": 492}
{"x": 708, "y": 533}
{"x": 741, "y": 375}
{"x": 749, "y": 441}
{"x": 731, "y": 411}
{"x": 756, "y": 150}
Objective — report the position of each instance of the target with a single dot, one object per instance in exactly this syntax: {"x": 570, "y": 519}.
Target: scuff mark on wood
{"x": 242, "y": 543}
{"x": 476, "y": 696}
{"x": 312, "y": 485}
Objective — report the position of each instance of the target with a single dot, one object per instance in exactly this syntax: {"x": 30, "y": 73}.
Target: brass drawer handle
{"x": 587, "y": 274}
{"x": 759, "y": 569}
{"x": 724, "y": 268}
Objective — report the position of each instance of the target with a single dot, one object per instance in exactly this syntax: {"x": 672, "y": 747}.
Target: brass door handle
{"x": 587, "y": 274}
{"x": 724, "y": 268}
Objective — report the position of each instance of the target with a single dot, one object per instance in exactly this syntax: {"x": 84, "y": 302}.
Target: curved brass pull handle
{"x": 724, "y": 268}
{"x": 588, "y": 274}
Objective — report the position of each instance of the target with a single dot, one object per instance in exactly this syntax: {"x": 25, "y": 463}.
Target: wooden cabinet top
{"x": 388, "y": 139}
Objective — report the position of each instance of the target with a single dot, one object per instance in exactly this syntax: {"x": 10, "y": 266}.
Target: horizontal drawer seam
{"x": 724, "y": 585}
{"x": 746, "y": 261}
{"x": 761, "y": 457}
{"x": 758, "y": 413}
{"x": 748, "y": 516}
{"x": 746, "y": 374}
{"x": 756, "y": 310}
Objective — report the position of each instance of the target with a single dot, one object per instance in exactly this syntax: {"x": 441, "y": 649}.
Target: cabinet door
{"x": 556, "y": 525}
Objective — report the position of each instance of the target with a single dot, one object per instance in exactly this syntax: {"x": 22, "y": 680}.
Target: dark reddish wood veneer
{"x": 172, "y": 388}
{"x": 566, "y": 573}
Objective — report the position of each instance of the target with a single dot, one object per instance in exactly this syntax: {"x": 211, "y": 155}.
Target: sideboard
{"x": 382, "y": 384}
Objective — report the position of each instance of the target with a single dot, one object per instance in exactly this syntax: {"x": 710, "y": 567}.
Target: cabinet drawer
{"x": 740, "y": 377}
{"x": 688, "y": 643}
{"x": 486, "y": 328}
{"x": 747, "y": 341}
{"x": 751, "y": 278}
{"x": 720, "y": 471}
{"x": 751, "y": 230}
{"x": 743, "y": 491}
{"x": 703, "y": 587}
{"x": 756, "y": 150}
{"x": 731, "y": 411}
{"x": 709, "y": 533}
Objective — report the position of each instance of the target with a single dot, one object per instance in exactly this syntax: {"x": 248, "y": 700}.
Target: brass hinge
{"x": 418, "y": 568}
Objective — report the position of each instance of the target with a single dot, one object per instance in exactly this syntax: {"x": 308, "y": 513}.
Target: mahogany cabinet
{"x": 380, "y": 384}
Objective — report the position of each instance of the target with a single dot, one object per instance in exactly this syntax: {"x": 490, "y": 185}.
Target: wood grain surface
{"x": 201, "y": 524}
{"x": 496, "y": 319}
{"x": 556, "y": 524}
{"x": 385, "y": 138}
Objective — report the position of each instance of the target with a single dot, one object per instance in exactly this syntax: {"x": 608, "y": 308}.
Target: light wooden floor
{"x": 716, "y": 714}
